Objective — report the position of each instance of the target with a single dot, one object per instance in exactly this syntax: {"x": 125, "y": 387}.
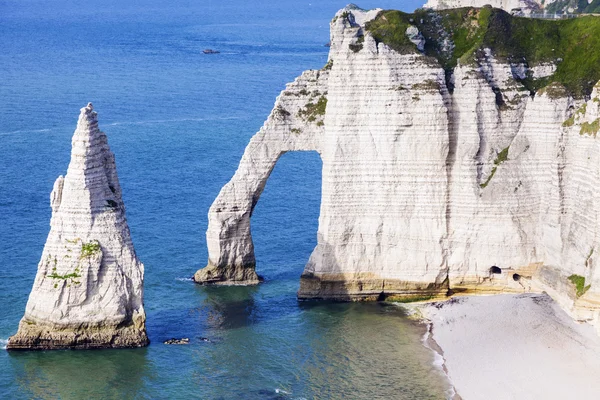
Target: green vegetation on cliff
{"x": 590, "y": 128}
{"x": 500, "y": 158}
{"x": 462, "y": 34}
{"x": 579, "y": 282}
{"x": 89, "y": 249}
{"x": 311, "y": 110}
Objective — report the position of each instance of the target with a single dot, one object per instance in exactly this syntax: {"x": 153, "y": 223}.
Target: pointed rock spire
{"x": 88, "y": 291}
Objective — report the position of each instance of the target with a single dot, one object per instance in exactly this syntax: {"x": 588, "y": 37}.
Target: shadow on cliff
{"x": 313, "y": 287}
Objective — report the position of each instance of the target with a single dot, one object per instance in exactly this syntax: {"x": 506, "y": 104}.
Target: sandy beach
{"x": 515, "y": 347}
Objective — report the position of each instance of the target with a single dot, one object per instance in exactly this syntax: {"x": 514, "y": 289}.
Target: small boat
{"x": 210, "y": 51}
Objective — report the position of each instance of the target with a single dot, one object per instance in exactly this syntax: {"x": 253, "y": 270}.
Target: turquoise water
{"x": 178, "y": 121}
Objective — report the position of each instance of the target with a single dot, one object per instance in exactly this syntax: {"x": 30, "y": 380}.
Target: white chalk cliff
{"x": 508, "y": 5}
{"x": 88, "y": 291}
{"x": 433, "y": 183}
{"x": 522, "y": 7}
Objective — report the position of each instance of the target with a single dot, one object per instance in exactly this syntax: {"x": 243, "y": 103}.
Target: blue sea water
{"x": 178, "y": 121}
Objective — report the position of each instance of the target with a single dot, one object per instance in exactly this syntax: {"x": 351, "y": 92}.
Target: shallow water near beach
{"x": 178, "y": 121}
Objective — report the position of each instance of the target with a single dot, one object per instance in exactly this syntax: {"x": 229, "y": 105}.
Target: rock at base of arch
{"x": 212, "y": 275}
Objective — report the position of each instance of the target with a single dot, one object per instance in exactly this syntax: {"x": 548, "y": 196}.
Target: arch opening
{"x": 284, "y": 221}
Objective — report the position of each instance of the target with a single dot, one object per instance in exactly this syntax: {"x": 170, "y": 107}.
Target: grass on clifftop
{"x": 390, "y": 27}
{"x": 463, "y": 33}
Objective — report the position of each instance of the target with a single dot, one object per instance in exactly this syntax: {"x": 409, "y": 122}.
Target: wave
{"x": 184, "y": 279}
{"x": 164, "y": 121}
{"x": 26, "y": 131}
{"x": 438, "y": 359}
{"x": 158, "y": 121}
{"x": 429, "y": 343}
{"x": 284, "y": 393}
{"x": 3, "y": 343}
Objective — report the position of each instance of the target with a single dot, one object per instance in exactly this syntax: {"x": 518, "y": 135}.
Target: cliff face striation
{"x": 88, "y": 289}
{"x": 459, "y": 156}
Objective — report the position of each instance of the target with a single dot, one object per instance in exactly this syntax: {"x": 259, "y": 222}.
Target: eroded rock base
{"x": 232, "y": 276}
{"x": 370, "y": 287}
{"x": 33, "y": 336}
{"x": 341, "y": 287}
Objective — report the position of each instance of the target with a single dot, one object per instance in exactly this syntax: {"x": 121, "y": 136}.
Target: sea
{"x": 178, "y": 121}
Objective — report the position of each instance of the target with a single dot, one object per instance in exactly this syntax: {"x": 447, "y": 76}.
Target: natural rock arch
{"x": 367, "y": 213}
{"x": 424, "y": 187}
{"x": 295, "y": 124}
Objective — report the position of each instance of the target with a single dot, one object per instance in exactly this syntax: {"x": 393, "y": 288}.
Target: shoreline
{"x": 511, "y": 347}
{"x": 414, "y": 312}
{"x": 440, "y": 362}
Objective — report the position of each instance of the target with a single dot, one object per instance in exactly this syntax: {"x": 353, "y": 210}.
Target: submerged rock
{"x": 177, "y": 341}
{"x": 88, "y": 291}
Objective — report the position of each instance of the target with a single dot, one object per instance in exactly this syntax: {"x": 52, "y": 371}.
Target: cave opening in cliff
{"x": 516, "y": 277}
{"x": 285, "y": 219}
{"x": 495, "y": 270}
